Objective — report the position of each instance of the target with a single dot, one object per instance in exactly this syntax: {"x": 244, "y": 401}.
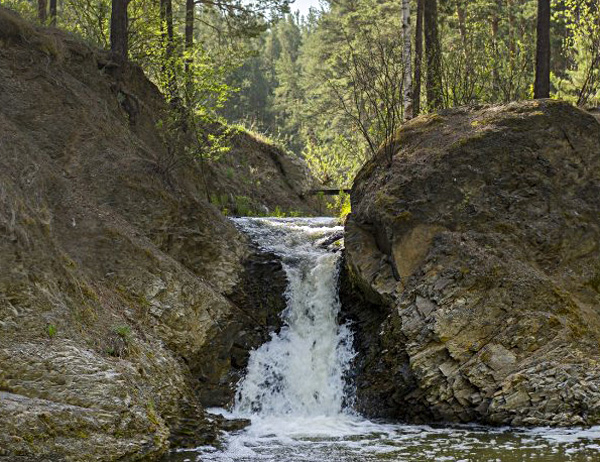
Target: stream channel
{"x": 296, "y": 394}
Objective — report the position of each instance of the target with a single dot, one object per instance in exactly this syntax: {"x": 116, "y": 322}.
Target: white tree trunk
{"x": 406, "y": 58}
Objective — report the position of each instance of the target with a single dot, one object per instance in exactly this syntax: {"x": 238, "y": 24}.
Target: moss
{"x": 474, "y": 138}
{"x": 485, "y": 356}
{"x": 89, "y": 292}
{"x": 85, "y": 314}
{"x": 594, "y": 281}
{"x": 578, "y": 331}
{"x": 403, "y": 217}
{"x": 68, "y": 262}
{"x": 151, "y": 413}
{"x": 385, "y": 201}
{"x": 554, "y": 322}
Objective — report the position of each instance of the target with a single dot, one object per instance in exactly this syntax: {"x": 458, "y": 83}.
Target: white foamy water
{"x": 300, "y": 371}
{"x": 295, "y": 391}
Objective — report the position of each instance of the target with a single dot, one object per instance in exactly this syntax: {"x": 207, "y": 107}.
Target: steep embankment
{"x": 116, "y": 275}
{"x": 476, "y": 248}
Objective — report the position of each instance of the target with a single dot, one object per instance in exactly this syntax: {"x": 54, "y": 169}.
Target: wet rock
{"x": 230, "y": 425}
{"x": 475, "y": 255}
{"x": 259, "y": 300}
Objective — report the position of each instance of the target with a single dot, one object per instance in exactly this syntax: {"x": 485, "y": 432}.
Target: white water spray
{"x": 299, "y": 373}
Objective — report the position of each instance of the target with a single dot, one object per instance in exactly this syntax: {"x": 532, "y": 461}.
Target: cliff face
{"x": 116, "y": 274}
{"x": 476, "y": 251}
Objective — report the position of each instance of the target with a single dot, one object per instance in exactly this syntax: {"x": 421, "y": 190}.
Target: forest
{"x": 332, "y": 85}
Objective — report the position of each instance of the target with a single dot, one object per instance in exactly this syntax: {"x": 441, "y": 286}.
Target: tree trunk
{"x": 462, "y": 24}
{"x": 166, "y": 7}
{"x": 433, "y": 55}
{"x": 118, "y": 29}
{"x": 418, "y": 58}
{"x": 496, "y": 12}
{"x": 406, "y": 60}
{"x": 189, "y": 25}
{"x": 168, "y": 36}
{"x": 42, "y": 15}
{"x": 53, "y": 13}
{"x": 511, "y": 30}
{"x": 189, "y": 46}
{"x": 465, "y": 80}
{"x": 541, "y": 87}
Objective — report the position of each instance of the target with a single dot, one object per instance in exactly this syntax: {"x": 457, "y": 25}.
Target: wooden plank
{"x": 327, "y": 192}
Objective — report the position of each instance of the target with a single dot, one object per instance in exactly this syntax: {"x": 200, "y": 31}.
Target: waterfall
{"x": 300, "y": 371}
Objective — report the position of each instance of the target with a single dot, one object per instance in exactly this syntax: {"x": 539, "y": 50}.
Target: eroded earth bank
{"x": 125, "y": 301}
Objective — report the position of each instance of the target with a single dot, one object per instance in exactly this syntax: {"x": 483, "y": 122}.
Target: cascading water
{"x": 300, "y": 371}
{"x": 295, "y": 394}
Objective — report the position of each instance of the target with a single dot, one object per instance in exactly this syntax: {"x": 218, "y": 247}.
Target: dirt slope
{"x": 116, "y": 274}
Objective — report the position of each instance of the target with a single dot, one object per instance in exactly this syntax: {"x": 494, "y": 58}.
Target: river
{"x": 296, "y": 394}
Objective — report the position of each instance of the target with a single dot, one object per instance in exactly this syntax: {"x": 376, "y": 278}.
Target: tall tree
{"x": 406, "y": 61}
{"x": 433, "y": 54}
{"x": 190, "y": 7}
{"x": 168, "y": 43}
{"x": 42, "y": 13}
{"x": 119, "y": 29}
{"x": 418, "y": 59}
{"x": 541, "y": 88}
{"x": 53, "y": 12}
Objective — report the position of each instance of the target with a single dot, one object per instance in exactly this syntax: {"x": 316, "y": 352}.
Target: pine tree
{"x": 433, "y": 55}
{"x": 42, "y": 13}
{"x": 418, "y": 59}
{"x": 119, "y": 29}
{"x": 541, "y": 87}
{"x": 406, "y": 61}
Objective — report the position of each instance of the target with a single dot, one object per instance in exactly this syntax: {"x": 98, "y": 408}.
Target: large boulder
{"x": 474, "y": 242}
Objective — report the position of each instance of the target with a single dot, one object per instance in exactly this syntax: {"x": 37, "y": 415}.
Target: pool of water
{"x": 352, "y": 439}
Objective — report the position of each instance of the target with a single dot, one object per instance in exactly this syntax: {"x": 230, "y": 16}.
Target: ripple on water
{"x": 353, "y": 439}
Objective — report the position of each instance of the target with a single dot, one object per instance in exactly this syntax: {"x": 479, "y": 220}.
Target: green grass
{"x": 51, "y": 330}
{"x": 123, "y": 331}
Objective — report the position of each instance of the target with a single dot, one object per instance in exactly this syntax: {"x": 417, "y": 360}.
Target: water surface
{"x": 356, "y": 440}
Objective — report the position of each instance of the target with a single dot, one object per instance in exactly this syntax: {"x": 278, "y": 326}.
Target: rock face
{"x": 117, "y": 277}
{"x": 257, "y": 177}
{"x": 476, "y": 248}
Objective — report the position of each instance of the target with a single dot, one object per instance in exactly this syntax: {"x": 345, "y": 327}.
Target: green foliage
{"x": 579, "y": 82}
{"x": 334, "y": 161}
{"x": 123, "y": 331}
{"x": 243, "y": 206}
{"x": 317, "y": 83}
{"x": 341, "y": 205}
{"x": 488, "y": 51}
{"x": 51, "y": 330}
{"x": 329, "y": 86}
{"x": 151, "y": 413}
